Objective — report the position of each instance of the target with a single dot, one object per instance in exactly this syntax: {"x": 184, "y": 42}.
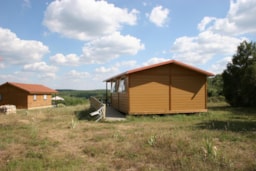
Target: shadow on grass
{"x": 234, "y": 126}
{"x": 242, "y": 111}
{"x": 85, "y": 115}
{"x": 217, "y": 108}
{"x": 235, "y": 119}
{"x": 235, "y": 110}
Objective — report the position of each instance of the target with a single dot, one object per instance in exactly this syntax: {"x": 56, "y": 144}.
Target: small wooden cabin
{"x": 163, "y": 88}
{"x": 26, "y": 96}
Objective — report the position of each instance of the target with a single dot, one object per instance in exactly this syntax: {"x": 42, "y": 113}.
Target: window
{"x": 114, "y": 86}
{"x": 122, "y": 85}
{"x": 1, "y": 97}
{"x": 34, "y": 97}
{"x": 45, "y": 97}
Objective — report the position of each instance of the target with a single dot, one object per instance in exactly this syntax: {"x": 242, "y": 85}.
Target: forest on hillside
{"x": 74, "y": 97}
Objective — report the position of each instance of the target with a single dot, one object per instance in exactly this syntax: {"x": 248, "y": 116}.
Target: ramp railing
{"x": 100, "y": 108}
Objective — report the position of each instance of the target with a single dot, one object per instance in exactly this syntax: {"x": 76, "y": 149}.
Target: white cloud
{"x": 2, "y": 66}
{"x": 39, "y": 67}
{"x": 204, "y": 22}
{"x": 159, "y": 16}
{"x": 154, "y": 60}
{"x": 115, "y": 68}
{"x": 200, "y": 49}
{"x": 104, "y": 72}
{"x": 73, "y": 74}
{"x": 98, "y": 22}
{"x": 78, "y": 83}
{"x": 26, "y": 77}
{"x": 17, "y": 77}
{"x": 218, "y": 37}
{"x": 14, "y": 50}
{"x": 101, "y": 50}
{"x": 86, "y": 20}
{"x": 129, "y": 64}
{"x": 110, "y": 47}
{"x": 60, "y": 59}
{"x": 103, "y": 69}
{"x": 238, "y": 21}
{"x": 220, "y": 65}
{"x": 40, "y": 70}
{"x": 47, "y": 76}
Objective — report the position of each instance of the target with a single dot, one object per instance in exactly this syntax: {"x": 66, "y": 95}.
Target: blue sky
{"x": 76, "y": 44}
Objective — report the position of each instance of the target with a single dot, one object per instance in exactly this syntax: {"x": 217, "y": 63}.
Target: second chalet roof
{"x": 33, "y": 88}
{"x": 160, "y": 64}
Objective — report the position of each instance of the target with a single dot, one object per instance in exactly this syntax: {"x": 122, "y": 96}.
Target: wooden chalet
{"x": 163, "y": 88}
{"x": 26, "y": 96}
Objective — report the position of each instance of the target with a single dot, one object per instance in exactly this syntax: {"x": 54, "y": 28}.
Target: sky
{"x": 77, "y": 44}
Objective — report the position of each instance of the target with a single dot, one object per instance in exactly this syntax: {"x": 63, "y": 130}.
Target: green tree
{"x": 215, "y": 86}
{"x": 239, "y": 79}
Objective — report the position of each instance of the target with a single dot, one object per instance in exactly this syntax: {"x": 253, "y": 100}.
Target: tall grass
{"x": 222, "y": 139}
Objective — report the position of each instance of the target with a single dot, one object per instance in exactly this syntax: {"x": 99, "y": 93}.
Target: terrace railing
{"x": 99, "y": 107}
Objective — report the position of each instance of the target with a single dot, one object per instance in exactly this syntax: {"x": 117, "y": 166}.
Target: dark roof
{"x": 32, "y": 88}
{"x": 161, "y": 64}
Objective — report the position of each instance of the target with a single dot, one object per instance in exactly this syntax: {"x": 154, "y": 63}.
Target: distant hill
{"x": 82, "y": 93}
{"x": 75, "y": 97}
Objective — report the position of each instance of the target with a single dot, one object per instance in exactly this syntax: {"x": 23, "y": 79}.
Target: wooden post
{"x": 106, "y": 93}
{"x": 104, "y": 111}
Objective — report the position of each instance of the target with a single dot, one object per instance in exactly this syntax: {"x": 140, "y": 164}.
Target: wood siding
{"x": 164, "y": 89}
{"x": 187, "y": 93}
{"x": 115, "y": 100}
{"x": 123, "y": 102}
{"x": 120, "y": 101}
{"x": 40, "y": 101}
{"x": 13, "y": 96}
{"x": 149, "y": 91}
{"x": 187, "y": 90}
{"x": 22, "y": 99}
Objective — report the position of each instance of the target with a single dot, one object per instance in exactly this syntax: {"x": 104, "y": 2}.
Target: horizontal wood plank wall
{"x": 188, "y": 90}
{"x": 164, "y": 89}
{"x": 123, "y": 105}
{"x": 13, "y": 96}
{"x": 114, "y": 100}
{"x": 40, "y": 101}
{"x": 149, "y": 91}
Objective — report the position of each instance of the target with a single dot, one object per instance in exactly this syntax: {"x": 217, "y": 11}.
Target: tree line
{"x": 75, "y": 97}
{"x": 237, "y": 83}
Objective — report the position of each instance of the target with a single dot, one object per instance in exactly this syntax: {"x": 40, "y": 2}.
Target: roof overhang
{"x": 206, "y": 73}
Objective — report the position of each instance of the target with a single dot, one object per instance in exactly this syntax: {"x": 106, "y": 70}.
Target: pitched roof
{"x": 161, "y": 64}
{"x": 32, "y": 88}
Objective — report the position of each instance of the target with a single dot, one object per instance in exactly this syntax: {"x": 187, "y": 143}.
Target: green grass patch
{"x": 35, "y": 161}
{"x": 224, "y": 138}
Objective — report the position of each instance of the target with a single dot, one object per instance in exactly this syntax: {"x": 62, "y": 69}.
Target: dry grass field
{"x": 54, "y": 139}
